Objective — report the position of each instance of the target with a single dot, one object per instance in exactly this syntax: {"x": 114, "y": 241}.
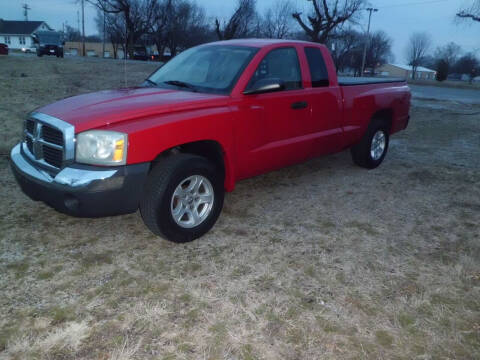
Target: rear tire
{"x": 185, "y": 217}
{"x": 372, "y": 148}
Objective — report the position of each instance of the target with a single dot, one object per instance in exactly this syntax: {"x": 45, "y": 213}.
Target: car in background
{"x": 48, "y": 43}
{"x": 3, "y": 49}
{"x": 29, "y": 50}
{"x": 140, "y": 53}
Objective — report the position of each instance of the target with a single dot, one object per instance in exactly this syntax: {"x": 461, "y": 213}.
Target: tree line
{"x": 180, "y": 24}
{"x": 448, "y": 59}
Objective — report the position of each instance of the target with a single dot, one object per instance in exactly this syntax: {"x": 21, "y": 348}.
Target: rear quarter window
{"x": 318, "y": 70}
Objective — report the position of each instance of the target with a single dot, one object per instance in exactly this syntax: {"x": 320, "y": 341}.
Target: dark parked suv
{"x": 49, "y": 43}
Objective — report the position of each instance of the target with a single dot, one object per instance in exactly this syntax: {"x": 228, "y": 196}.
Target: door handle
{"x": 299, "y": 105}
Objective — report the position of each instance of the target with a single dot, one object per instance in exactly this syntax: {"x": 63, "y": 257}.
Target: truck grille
{"x": 53, "y": 157}
{"x": 30, "y": 125}
{"x": 45, "y": 142}
{"x": 52, "y": 135}
{"x": 29, "y": 142}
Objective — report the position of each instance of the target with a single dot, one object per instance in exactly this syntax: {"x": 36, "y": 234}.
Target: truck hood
{"x": 108, "y": 107}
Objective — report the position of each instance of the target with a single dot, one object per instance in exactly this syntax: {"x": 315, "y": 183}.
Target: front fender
{"x": 152, "y": 136}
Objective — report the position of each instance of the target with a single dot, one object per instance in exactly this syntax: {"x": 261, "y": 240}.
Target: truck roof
{"x": 259, "y": 43}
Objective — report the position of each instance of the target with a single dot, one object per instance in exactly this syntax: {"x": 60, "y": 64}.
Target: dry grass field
{"x": 322, "y": 260}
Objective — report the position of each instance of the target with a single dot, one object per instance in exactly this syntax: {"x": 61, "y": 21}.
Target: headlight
{"x": 99, "y": 147}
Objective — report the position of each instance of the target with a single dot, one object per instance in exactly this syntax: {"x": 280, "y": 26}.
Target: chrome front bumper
{"x": 71, "y": 177}
{"x": 82, "y": 190}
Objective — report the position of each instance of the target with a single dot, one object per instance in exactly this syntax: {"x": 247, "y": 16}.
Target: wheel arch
{"x": 385, "y": 115}
{"x": 209, "y": 149}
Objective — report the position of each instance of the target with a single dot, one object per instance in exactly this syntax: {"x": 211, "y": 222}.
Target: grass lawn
{"x": 322, "y": 260}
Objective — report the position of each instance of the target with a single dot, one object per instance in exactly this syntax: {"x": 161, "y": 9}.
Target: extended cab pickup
{"x": 213, "y": 115}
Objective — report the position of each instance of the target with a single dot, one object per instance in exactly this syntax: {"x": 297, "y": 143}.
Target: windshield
{"x": 49, "y": 38}
{"x": 211, "y": 68}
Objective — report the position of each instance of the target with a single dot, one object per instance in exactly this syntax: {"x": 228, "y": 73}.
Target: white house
{"x": 18, "y": 34}
{"x": 406, "y": 72}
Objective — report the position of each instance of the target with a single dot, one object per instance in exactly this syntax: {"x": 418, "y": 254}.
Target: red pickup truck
{"x": 213, "y": 115}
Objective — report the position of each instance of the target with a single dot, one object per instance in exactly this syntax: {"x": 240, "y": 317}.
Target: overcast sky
{"x": 398, "y": 18}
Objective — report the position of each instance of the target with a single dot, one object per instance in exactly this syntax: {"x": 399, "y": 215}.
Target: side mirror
{"x": 265, "y": 86}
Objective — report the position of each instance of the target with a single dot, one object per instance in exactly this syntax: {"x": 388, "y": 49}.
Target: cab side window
{"x": 318, "y": 70}
{"x": 279, "y": 64}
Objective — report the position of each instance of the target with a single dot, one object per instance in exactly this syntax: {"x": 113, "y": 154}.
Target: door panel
{"x": 325, "y": 120}
{"x": 278, "y": 140}
{"x": 282, "y": 116}
{"x": 326, "y": 104}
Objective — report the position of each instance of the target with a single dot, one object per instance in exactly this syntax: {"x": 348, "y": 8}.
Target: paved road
{"x": 468, "y": 96}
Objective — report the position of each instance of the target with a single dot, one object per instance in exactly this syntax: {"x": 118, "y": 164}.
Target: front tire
{"x": 372, "y": 148}
{"x": 183, "y": 197}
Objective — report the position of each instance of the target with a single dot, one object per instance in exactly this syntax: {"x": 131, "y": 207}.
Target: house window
{"x": 7, "y": 39}
{"x": 22, "y": 40}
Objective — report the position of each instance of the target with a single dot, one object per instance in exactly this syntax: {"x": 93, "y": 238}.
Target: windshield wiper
{"x": 181, "y": 84}
{"x": 151, "y": 82}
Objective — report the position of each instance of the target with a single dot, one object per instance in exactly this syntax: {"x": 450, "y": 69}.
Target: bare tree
{"x": 158, "y": 27}
{"x": 346, "y": 46}
{"x": 472, "y": 12}
{"x": 417, "y": 50}
{"x": 137, "y": 15}
{"x": 177, "y": 25}
{"x": 327, "y": 15}
{"x": 186, "y": 26}
{"x": 72, "y": 34}
{"x": 240, "y": 23}
{"x": 442, "y": 69}
{"x": 428, "y": 61}
{"x": 379, "y": 50}
{"x": 115, "y": 31}
{"x": 277, "y": 21}
{"x": 347, "y": 50}
{"x": 448, "y": 55}
{"x": 468, "y": 64}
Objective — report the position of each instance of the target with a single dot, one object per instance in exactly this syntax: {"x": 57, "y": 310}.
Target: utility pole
{"x": 25, "y": 8}
{"x": 367, "y": 40}
{"x": 103, "y": 34}
{"x": 83, "y": 27}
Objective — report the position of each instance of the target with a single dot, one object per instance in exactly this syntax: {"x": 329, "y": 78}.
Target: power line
{"x": 412, "y": 4}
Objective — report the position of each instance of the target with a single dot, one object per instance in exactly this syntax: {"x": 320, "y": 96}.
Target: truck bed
{"x": 351, "y": 81}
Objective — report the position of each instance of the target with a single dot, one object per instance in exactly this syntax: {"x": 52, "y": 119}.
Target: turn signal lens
{"x": 118, "y": 154}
